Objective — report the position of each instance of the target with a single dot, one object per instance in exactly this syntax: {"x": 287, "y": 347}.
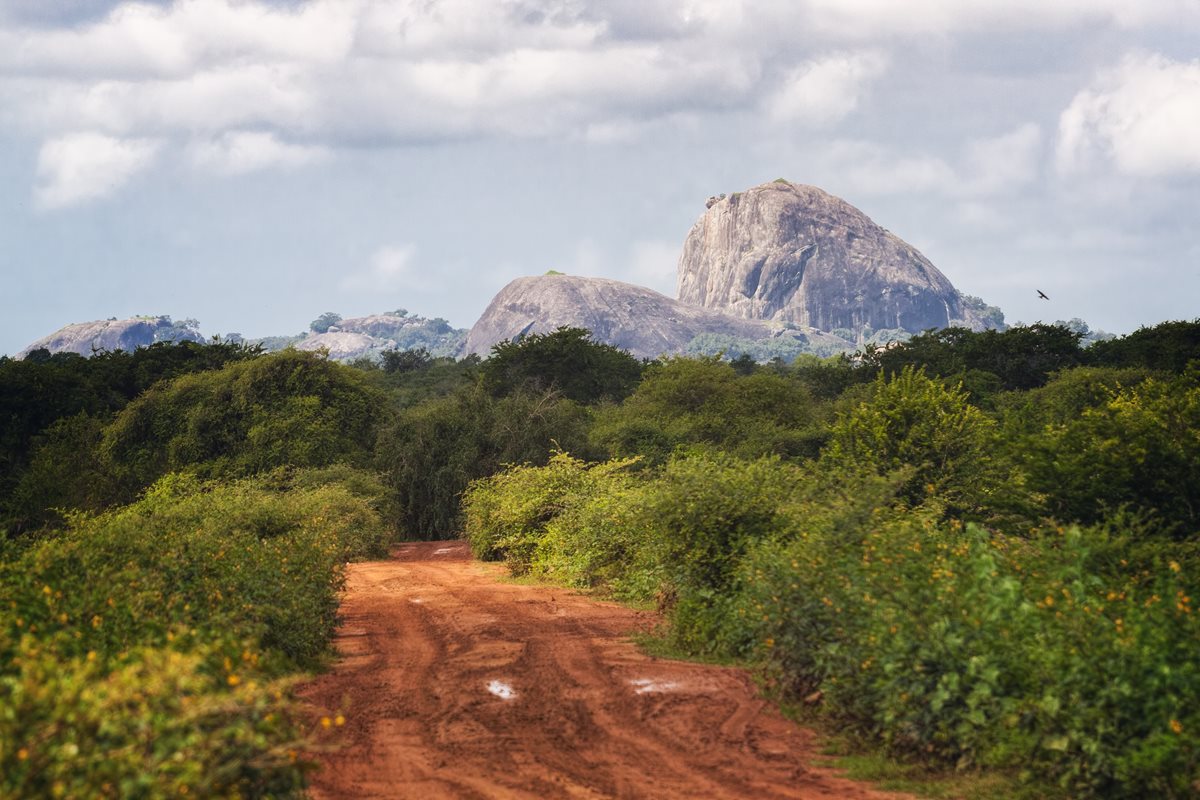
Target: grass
{"x": 862, "y": 762}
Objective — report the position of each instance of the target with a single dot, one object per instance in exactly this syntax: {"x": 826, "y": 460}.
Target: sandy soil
{"x": 453, "y": 684}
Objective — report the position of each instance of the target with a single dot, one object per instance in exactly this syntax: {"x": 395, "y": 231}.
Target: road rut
{"x": 454, "y": 684}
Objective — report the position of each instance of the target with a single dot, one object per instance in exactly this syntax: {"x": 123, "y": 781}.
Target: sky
{"x": 255, "y": 163}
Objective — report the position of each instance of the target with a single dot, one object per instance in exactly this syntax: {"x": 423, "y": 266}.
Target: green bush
{"x": 160, "y": 724}
{"x": 683, "y": 402}
{"x": 155, "y": 634}
{"x": 287, "y": 408}
{"x": 551, "y": 521}
{"x": 950, "y": 644}
{"x": 1140, "y": 448}
{"x": 913, "y": 421}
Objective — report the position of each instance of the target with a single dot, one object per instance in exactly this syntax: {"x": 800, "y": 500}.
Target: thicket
{"x": 145, "y": 652}
{"x": 984, "y": 555}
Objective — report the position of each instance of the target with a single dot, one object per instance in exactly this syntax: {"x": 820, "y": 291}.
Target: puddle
{"x": 416, "y": 600}
{"x": 441, "y": 551}
{"x": 648, "y": 686}
{"x": 501, "y": 690}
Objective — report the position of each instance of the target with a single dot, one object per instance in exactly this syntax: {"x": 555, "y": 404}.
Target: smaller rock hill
{"x": 86, "y": 338}
{"x": 634, "y": 318}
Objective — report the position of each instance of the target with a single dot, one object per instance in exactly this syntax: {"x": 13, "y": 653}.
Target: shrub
{"x": 911, "y": 420}
{"x": 952, "y": 645}
{"x": 140, "y": 648}
{"x": 1141, "y": 448}
{"x": 287, "y": 408}
{"x": 683, "y": 402}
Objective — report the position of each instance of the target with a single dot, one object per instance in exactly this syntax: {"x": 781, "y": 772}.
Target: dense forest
{"x": 978, "y": 550}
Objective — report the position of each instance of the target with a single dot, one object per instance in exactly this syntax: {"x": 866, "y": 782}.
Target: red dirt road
{"x": 455, "y": 685}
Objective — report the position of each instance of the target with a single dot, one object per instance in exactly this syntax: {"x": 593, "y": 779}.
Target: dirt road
{"x": 455, "y": 685}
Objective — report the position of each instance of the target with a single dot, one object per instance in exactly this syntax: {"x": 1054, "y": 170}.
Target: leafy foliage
{"x": 287, "y": 408}
{"x": 434, "y": 450}
{"x": 567, "y": 360}
{"x": 913, "y": 421}
{"x": 145, "y": 650}
{"x": 684, "y": 402}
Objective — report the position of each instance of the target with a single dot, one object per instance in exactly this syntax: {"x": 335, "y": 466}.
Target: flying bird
{"x": 1042, "y": 294}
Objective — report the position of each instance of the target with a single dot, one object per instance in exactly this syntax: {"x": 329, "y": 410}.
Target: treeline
{"x": 977, "y": 548}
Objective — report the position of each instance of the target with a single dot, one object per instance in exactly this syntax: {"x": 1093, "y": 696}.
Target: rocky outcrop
{"x": 86, "y": 338}
{"x": 793, "y": 253}
{"x": 343, "y": 345}
{"x": 639, "y": 320}
{"x": 367, "y": 337}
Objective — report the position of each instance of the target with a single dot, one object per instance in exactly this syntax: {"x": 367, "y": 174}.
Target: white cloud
{"x": 79, "y": 167}
{"x": 823, "y": 91}
{"x": 391, "y": 269}
{"x": 197, "y": 75}
{"x": 1002, "y": 163}
{"x": 874, "y": 169}
{"x": 140, "y": 40}
{"x": 1141, "y": 116}
{"x": 988, "y": 166}
{"x": 239, "y": 152}
{"x": 888, "y": 19}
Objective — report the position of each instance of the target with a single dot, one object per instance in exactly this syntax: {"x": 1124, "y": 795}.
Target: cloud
{"x": 873, "y": 169}
{"x": 390, "y": 269}
{"x": 823, "y": 91}
{"x": 987, "y": 167}
{"x": 239, "y": 152}
{"x": 79, "y": 167}
{"x": 1142, "y": 116}
{"x": 201, "y": 76}
{"x": 1002, "y": 163}
{"x": 858, "y": 19}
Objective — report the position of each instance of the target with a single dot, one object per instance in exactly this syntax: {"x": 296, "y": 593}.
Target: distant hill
{"x": 86, "y": 338}
{"x": 345, "y": 340}
{"x": 367, "y": 337}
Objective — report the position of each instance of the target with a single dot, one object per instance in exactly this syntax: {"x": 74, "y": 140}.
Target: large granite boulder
{"x": 793, "y": 253}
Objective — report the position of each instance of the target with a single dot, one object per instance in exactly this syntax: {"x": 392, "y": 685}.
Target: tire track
{"x": 456, "y": 685}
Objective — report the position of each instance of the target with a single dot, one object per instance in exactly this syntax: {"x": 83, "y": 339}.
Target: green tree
{"x": 288, "y": 408}
{"x": 913, "y": 421}
{"x": 323, "y": 323}
{"x": 568, "y": 360}
{"x": 1140, "y": 448}
{"x": 683, "y": 402}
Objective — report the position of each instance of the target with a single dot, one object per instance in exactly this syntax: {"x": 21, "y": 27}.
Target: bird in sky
{"x": 1042, "y": 294}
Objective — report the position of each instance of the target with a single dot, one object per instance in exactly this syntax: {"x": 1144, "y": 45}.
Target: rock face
{"x": 367, "y": 337}
{"x": 793, "y": 253}
{"x": 85, "y": 338}
{"x": 639, "y": 320}
{"x": 343, "y": 345}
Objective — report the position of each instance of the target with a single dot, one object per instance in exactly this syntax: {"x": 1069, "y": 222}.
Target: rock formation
{"x": 85, "y": 338}
{"x": 639, "y": 320}
{"x": 366, "y": 337}
{"x": 793, "y": 253}
{"x": 343, "y": 345}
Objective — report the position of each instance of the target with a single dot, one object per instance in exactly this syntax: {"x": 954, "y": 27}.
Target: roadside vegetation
{"x": 976, "y": 552}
